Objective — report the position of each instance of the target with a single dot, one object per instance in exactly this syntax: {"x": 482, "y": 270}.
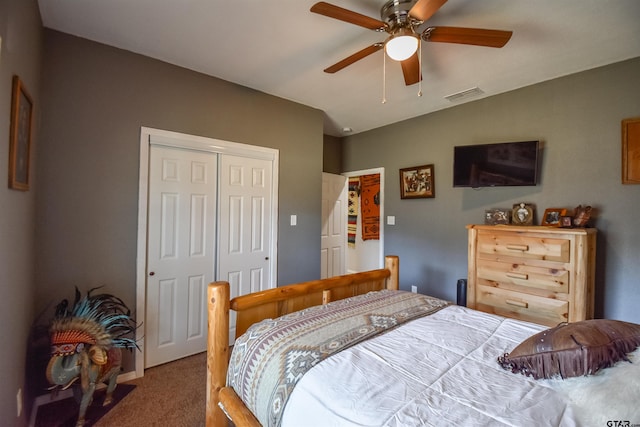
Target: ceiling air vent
{"x": 465, "y": 94}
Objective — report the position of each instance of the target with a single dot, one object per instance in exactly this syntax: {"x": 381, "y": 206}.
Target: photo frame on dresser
{"x": 522, "y": 214}
{"x": 552, "y": 217}
{"x": 497, "y": 216}
{"x": 566, "y": 221}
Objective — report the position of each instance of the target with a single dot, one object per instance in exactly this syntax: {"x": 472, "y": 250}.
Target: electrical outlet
{"x": 414, "y": 289}
{"x": 19, "y": 402}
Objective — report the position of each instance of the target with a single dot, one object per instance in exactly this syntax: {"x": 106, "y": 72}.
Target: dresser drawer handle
{"x": 518, "y": 303}
{"x": 521, "y": 248}
{"x": 518, "y": 276}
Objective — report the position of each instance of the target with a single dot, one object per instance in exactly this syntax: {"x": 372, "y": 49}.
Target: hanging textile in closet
{"x": 370, "y": 206}
{"x": 352, "y": 220}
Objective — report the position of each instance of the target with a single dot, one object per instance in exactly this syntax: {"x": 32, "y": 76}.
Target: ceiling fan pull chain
{"x": 384, "y": 79}
{"x": 419, "y": 67}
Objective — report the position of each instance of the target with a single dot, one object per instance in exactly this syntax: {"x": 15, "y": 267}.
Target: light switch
{"x": 391, "y": 220}
{"x": 294, "y": 220}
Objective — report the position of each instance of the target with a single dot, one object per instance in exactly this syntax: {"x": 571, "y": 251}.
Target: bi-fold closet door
{"x": 209, "y": 217}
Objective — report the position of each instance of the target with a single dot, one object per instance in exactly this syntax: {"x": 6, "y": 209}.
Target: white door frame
{"x": 192, "y": 142}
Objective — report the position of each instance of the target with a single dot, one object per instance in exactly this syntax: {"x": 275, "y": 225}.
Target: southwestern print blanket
{"x": 274, "y": 354}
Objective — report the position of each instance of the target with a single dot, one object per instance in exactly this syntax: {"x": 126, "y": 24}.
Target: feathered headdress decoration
{"x": 101, "y": 320}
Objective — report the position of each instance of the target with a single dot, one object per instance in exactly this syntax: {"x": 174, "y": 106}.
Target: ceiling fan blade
{"x": 411, "y": 70}
{"x": 353, "y": 58}
{"x": 346, "y": 15}
{"x": 425, "y": 9}
{"x": 474, "y": 36}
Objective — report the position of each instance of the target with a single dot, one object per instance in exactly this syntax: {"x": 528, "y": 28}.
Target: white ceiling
{"x": 279, "y": 47}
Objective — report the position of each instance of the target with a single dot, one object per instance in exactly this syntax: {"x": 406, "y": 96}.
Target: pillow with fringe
{"x": 573, "y": 349}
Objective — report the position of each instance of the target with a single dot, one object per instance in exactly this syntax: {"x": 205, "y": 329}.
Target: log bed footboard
{"x": 262, "y": 305}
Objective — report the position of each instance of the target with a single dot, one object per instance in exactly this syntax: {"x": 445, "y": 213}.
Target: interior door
{"x": 334, "y": 225}
{"x": 181, "y": 251}
{"x": 245, "y": 235}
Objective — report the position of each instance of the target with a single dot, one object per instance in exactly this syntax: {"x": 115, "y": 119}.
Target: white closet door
{"x": 181, "y": 251}
{"x": 245, "y": 234}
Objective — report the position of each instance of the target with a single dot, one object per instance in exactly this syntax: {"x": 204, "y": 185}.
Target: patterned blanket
{"x": 274, "y": 354}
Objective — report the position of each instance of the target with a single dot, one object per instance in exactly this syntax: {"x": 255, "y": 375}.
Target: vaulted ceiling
{"x": 279, "y": 47}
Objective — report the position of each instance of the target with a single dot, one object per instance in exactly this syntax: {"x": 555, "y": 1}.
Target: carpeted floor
{"x": 64, "y": 413}
{"x": 171, "y": 395}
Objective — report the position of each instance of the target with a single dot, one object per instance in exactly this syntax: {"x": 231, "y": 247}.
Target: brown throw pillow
{"x": 573, "y": 349}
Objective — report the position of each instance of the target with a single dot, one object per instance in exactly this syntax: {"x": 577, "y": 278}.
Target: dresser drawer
{"x": 526, "y": 276}
{"x": 491, "y": 245}
{"x": 532, "y": 308}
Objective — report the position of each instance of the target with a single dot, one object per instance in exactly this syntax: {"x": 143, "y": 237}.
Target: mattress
{"x": 436, "y": 370}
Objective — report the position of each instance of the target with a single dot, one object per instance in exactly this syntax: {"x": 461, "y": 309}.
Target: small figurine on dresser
{"x": 581, "y": 216}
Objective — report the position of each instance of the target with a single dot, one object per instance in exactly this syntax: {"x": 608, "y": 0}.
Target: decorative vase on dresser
{"x": 544, "y": 275}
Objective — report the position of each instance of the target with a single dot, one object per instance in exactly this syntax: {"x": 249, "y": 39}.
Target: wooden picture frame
{"x": 552, "y": 217}
{"x": 20, "y": 136}
{"x": 631, "y": 151}
{"x": 417, "y": 182}
{"x": 497, "y": 216}
{"x": 522, "y": 214}
{"x": 566, "y": 221}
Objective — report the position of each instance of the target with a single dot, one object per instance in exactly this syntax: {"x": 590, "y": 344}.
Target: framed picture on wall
{"x": 20, "y": 136}
{"x": 630, "y": 150}
{"x": 417, "y": 182}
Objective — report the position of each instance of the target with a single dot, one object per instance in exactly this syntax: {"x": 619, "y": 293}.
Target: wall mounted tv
{"x": 496, "y": 165}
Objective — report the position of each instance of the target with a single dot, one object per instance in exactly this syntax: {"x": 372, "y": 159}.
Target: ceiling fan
{"x": 401, "y": 20}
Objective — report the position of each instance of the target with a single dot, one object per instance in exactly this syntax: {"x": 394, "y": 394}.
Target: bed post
{"x": 392, "y": 263}
{"x": 217, "y": 350}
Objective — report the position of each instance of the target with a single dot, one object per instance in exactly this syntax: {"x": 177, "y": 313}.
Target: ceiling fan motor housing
{"x": 395, "y": 13}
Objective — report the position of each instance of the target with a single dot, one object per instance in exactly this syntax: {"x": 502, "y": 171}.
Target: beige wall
{"x": 20, "y": 53}
{"x": 578, "y": 119}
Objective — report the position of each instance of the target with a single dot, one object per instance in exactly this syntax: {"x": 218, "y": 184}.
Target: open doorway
{"x": 358, "y": 250}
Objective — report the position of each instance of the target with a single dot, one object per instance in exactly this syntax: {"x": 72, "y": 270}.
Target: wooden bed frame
{"x": 267, "y": 304}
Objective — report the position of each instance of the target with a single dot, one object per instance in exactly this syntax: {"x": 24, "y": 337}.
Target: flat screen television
{"x": 496, "y": 165}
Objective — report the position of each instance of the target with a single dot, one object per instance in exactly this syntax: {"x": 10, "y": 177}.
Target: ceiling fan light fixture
{"x": 401, "y": 44}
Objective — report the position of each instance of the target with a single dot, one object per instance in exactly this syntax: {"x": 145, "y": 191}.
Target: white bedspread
{"x": 439, "y": 370}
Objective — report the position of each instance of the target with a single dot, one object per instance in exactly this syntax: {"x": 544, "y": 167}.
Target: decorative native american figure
{"x": 86, "y": 344}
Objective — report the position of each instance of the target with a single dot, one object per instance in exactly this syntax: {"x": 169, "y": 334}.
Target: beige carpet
{"x": 168, "y": 395}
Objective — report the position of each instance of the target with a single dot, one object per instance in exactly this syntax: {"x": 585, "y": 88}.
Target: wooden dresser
{"x": 544, "y": 275}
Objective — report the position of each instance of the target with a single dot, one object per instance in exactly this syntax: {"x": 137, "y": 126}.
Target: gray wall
{"x": 332, "y": 158}
{"x": 21, "y": 33}
{"x": 578, "y": 119}
{"x": 95, "y": 99}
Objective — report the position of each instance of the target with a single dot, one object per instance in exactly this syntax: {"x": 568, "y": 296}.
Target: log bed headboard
{"x": 271, "y": 303}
